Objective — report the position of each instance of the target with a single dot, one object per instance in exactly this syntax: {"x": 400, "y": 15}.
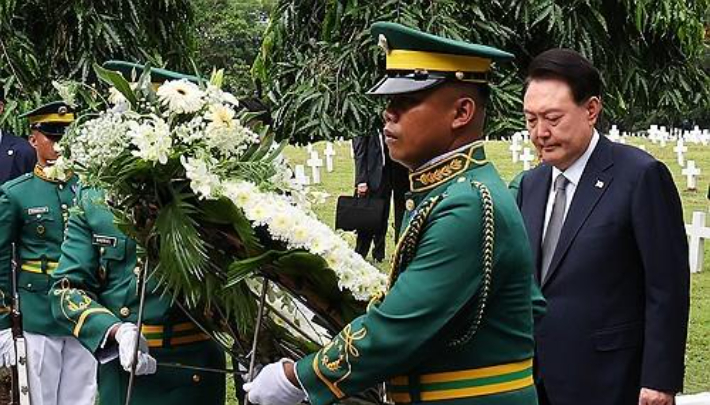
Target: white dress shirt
{"x": 573, "y": 175}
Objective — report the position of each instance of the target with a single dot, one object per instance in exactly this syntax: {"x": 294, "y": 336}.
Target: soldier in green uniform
{"x": 456, "y": 326}
{"x": 34, "y": 209}
{"x": 95, "y": 296}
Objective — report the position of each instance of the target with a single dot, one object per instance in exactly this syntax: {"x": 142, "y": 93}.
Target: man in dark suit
{"x": 605, "y": 223}
{"x": 16, "y": 154}
{"x": 378, "y": 176}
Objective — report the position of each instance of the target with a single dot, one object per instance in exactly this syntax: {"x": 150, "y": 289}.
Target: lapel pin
{"x": 600, "y": 184}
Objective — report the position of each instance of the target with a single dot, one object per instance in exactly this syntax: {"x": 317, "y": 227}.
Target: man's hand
{"x": 126, "y": 336}
{"x": 653, "y": 397}
{"x": 7, "y": 348}
{"x": 362, "y": 189}
{"x": 273, "y": 387}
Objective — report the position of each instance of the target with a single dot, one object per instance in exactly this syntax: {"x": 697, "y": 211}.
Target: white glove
{"x": 126, "y": 336}
{"x": 271, "y": 387}
{"x": 7, "y": 348}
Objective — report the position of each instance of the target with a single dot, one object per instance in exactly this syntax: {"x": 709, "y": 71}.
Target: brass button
{"x": 102, "y": 250}
{"x": 125, "y": 312}
{"x": 196, "y": 378}
{"x": 409, "y": 205}
{"x": 29, "y": 285}
{"x": 461, "y": 179}
{"x": 137, "y": 271}
{"x": 61, "y": 186}
{"x": 64, "y": 206}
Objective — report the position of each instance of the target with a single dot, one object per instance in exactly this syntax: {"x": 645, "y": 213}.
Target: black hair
{"x": 570, "y": 67}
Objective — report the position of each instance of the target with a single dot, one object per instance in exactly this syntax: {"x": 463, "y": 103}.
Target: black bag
{"x": 365, "y": 214}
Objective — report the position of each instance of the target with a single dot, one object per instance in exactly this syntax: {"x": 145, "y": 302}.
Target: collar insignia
{"x": 433, "y": 175}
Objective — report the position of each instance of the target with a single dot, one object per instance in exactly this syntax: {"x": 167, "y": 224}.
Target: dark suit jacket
{"x": 618, "y": 286}
{"x": 17, "y": 157}
{"x": 369, "y": 163}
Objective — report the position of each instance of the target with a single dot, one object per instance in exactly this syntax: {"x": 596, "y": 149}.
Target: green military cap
{"x": 131, "y": 71}
{"x": 51, "y": 119}
{"x": 417, "y": 60}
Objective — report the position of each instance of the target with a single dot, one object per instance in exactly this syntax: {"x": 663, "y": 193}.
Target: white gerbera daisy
{"x": 181, "y": 96}
{"x": 221, "y": 116}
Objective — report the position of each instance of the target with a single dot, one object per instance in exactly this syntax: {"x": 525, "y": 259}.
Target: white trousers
{"x": 61, "y": 371}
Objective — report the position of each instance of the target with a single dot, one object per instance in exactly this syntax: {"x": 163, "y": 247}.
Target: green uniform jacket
{"x": 539, "y": 304}
{"x": 33, "y": 215}
{"x": 95, "y": 287}
{"x": 464, "y": 244}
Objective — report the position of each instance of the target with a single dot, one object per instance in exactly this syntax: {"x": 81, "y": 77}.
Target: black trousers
{"x": 377, "y": 240}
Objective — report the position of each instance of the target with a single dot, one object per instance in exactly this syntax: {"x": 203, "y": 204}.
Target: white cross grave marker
{"x": 315, "y": 163}
{"x": 691, "y": 173}
{"x": 526, "y": 136}
{"x": 680, "y": 149}
{"x": 515, "y": 149}
{"x": 696, "y": 134}
{"x": 526, "y": 158}
{"x": 653, "y": 133}
{"x": 300, "y": 176}
{"x": 614, "y": 134}
{"x": 697, "y": 233}
{"x": 329, "y": 153}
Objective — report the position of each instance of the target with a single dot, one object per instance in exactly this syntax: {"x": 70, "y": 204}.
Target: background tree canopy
{"x": 41, "y": 41}
{"x": 317, "y": 58}
{"x": 229, "y": 35}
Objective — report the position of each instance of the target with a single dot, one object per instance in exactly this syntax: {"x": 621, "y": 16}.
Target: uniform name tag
{"x": 101, "y": 240}
{"x": 37, "y": 210}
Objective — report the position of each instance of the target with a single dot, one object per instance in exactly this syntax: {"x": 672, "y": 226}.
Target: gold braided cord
{"x": 488, "y": 236}
{"x": 407, "y": 246}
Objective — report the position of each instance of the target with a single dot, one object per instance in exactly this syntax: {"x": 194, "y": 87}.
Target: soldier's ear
{"x": 32, "y": 139}
{"x": 465, "y": 111}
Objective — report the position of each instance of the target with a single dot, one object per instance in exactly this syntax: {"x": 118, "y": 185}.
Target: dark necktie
{"x": 554, "y": 227}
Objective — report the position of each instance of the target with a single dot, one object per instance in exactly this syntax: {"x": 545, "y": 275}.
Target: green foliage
{"x": 229, "y": 34}
{"x": 317, "y": 58}
{"x": 41, "y": 41}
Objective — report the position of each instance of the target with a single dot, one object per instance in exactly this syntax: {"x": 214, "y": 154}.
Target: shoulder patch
{"x": 18, "y": 180}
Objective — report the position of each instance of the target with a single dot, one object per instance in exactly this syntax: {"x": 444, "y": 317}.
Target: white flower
{"x": 181, "y": 96}
{"x": 67, "y": 91}
{"x": 214, "y": 95}
{"x": 99, "y": 141}
{"x": 152, "y": 138}
{"x": 226, "y": 134}
{"x": 202, "y": 181}
{"x": 300, "y": 230}
{"x": 220, "y": 116}
{"x": 57, "y": 170}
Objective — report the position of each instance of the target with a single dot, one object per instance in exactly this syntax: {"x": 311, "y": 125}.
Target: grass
{"x": 341, "y": 182}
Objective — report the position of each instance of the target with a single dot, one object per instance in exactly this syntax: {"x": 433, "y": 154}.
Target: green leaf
{"x": 116, "y": 80}
{"x": 241, "y": 269}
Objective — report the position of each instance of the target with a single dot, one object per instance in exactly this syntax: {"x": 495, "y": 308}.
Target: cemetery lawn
{"x": 697, "y": 379}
